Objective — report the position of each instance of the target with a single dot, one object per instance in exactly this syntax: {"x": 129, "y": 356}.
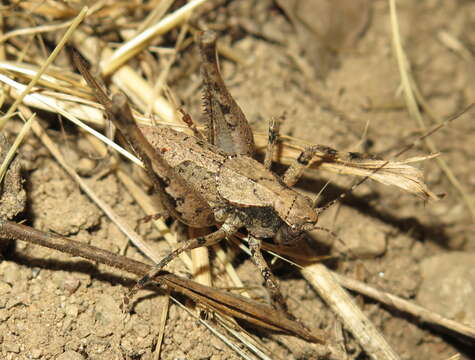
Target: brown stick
{"x": 251, "y": 311}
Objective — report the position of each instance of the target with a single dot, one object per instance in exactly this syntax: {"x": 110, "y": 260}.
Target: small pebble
{"x": 5, "y": 288}
{"x": 36, "y": 353}
{"x": 85, "y": 166}
{"x": 70, "y": 355}
{"x": 11, "y": 347}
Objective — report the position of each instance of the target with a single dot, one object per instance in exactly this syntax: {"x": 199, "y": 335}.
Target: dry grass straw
{"x": 43, "y": 68}
{"x": 51, "y": 105}
{"x": 370, "y": 338}
{"x": 139, "y": 42}
{"x": 422, "y": 314}
{"x": 54, "y": 79}
{"x": 127, "y": 80}
{"x": 413, "y": 97}
{"x": 454, "y": 44}
{"x": 220, "y": 336}
{"x": 35, "y": 30}
{"x": 163, "y": 323}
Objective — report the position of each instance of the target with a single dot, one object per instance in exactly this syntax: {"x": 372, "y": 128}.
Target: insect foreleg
{"x": 270, "y": 281}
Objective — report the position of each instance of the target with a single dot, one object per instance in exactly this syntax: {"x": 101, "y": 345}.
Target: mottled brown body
{"x": 236, "y": 184}
{"x": 215, "y": 183}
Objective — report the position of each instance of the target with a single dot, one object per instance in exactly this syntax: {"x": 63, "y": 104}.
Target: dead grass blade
{"x": 34, "y": 30}
{"x": 215, "y": 332}
{"x": 163, "y": 322}
{"x": 139, "y": 42}
{"x": 48, "y": 61}
{"x": 53, "y": 106}
{"x": 78, "y": 108}
{"x": 395, "y": 173}
{"x": 370, "y": 339}
{"x": 127, "y": 79}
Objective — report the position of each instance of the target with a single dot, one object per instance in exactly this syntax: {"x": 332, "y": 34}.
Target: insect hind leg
{"x": 273, "y": 135}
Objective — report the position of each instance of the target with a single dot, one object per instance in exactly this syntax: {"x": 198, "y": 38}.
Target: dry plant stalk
{"x": 233, "y": 305}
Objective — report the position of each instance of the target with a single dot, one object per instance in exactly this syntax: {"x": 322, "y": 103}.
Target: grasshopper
{"x": 216, "y": 182}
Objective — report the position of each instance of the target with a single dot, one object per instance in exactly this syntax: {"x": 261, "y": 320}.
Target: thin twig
{"x": 14, "y": 147}
{"x": 230, "y": 304}
{"x": 136, "y": 44}
{"x": 34, "y": 30}
{"x": 420, "y": 313}
{"x": 344, "y": 307}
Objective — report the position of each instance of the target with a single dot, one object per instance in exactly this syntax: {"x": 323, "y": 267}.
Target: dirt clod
{"x": 12, "y": 194}
{"x": 448, "y": 286}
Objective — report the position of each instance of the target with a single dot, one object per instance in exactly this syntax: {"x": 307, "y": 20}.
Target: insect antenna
{"x": 83, "y": 66}
{"x": 343, "y": 195}
{"x": 399, "y": 153}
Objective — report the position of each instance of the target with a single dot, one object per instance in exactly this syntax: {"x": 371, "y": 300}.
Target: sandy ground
{"x": 55, "y": 307}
